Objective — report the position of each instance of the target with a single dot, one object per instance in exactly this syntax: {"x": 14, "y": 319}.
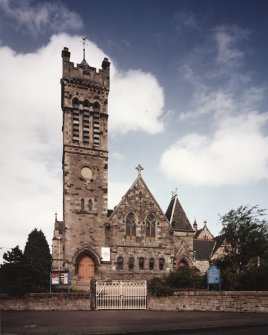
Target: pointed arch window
{"x": 150, "y": 225}
{"x": 161, "y": 264}
{"x": 151, "y": 264}
{"x": 120, "y": 263}
{"x": 82, "y": 204}
{"x": 131, "y": 263}
{"x": 131, "y": 224}
{"x": 90, "y": 205}
{"x": 141, "y": 263}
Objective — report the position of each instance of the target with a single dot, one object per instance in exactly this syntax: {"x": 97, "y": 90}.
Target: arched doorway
{"x": 86, "y": 268}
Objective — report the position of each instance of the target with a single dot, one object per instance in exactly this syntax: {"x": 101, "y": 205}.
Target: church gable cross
{"x": 139, "y": 168}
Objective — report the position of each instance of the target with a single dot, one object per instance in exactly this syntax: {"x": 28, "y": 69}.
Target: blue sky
{"x": 188, "y": 102}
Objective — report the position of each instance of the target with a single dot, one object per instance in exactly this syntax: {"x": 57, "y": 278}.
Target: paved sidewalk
{"x": 119, "y": 322}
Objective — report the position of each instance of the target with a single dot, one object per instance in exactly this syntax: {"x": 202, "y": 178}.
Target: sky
{"x": 188, "y": 101}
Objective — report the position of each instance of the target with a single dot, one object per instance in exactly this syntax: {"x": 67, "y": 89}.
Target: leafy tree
{"x": 246, "y": 236}
{"x": 246, "y": 245}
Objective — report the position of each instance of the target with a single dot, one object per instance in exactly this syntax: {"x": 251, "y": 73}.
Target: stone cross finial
{"x": 175, "y": 192}
{"x": 139, "y": 168}
{"x": 84, "y": 38}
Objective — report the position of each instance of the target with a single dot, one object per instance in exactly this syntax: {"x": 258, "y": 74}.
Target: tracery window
{"x": 150, "y": 225}
{"x": 131, "y": 224}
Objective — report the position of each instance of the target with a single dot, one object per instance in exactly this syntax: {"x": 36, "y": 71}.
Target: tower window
{"x": 130, "y": 224}
{"x": 75, "y": 126}
{"x": 150, "y": 226}
{"x": 86, "y": 126}
{"x": 96, "y": 124}
{"x": 82, "y": 204}
{"x": 90, "y": 205}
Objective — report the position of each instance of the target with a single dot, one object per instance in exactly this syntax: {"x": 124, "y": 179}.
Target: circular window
{"x": 86, "y": 173}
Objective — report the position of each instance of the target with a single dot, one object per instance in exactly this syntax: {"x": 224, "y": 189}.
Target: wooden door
{"x": 86, "y": 268}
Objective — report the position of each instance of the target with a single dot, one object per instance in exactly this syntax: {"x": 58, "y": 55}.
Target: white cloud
{"x": 136, "y": 102}
{"x": 30, "y": 126}
{"x": 237, "y": 153}
{"x": 37, "y": 18}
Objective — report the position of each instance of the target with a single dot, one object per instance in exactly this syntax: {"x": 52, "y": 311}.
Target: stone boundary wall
{"x": 47, "y": 301}
{"x": 224, "y": 301}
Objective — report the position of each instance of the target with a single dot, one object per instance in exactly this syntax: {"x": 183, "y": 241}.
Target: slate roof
{"x": 203, "y": 248}
{"x": 177, "y": 217}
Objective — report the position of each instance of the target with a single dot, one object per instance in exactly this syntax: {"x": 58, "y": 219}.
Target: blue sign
{"x": 214, "y": 275}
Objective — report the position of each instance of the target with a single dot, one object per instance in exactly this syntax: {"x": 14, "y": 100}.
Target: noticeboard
{"x": 59, "y": 278}
{"x": 213, "y": 275}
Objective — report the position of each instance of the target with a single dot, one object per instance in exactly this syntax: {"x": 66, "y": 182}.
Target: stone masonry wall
{"x": 46, "y": 301}
{"x": 224, "y": 301}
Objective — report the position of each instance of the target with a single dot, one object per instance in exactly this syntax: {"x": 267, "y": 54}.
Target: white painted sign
{"x": 105, "y": 254}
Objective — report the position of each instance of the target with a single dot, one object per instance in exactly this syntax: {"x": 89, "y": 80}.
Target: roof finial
{"x": 175, "y": 192}
{"x": 84, "y": 38}
{"x": 139, "y": 168}
{"x": 56, "y": 217}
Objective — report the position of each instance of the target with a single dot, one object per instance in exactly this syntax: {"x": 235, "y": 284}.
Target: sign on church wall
{"x": 105, "y": 254}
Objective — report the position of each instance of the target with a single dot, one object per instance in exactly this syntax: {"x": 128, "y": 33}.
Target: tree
{"x": 28, "y": 271}
{"x": 38, "y": 259}
{"x": 246, "y": 244}
{"x": 12, "y": 272}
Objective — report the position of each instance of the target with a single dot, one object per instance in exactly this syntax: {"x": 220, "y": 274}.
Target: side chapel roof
{"x": 177, "y": 217}
{"x": 203, "y": 249}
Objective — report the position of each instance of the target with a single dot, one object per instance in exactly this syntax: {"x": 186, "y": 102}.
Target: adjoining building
{"x": 135, "y": 240}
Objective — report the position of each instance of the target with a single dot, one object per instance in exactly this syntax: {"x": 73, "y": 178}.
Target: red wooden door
{"x": 86, "y": 268}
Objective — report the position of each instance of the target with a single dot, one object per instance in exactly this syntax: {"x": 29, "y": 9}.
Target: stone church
{"x": 135, "y": 240}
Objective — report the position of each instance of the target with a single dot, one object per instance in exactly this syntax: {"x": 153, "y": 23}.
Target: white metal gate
{"x": 121, "y": 294}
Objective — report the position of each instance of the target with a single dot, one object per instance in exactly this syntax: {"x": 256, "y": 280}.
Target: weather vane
{"x": 84, "y": 38}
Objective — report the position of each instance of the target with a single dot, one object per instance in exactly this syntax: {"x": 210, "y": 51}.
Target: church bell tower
{"x": 84, "y": 102}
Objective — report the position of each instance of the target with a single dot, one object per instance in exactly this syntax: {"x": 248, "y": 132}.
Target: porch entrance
{"x": 86, "y": 268}
{"x": 121, "y": 294}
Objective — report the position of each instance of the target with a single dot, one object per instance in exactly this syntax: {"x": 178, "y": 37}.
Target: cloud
{"x": 186, "y": 19}
{"x": 30, "y": 126}
{"x": 38, "y": 18}
{"x": 227, "y": 40}
{"x": 236, "y": 153}
{"x": 136, "y": 102}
